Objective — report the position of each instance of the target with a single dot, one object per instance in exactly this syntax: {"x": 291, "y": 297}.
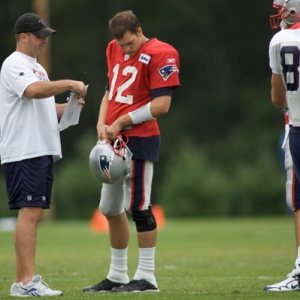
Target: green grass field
{"x": 195, "y": 259}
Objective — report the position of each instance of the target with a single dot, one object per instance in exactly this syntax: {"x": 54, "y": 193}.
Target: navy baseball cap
{"x": 33, "y": 23}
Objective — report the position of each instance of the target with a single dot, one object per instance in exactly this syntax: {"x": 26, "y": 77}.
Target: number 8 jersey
{"x": 284, "y": 56}
{"x": 132, "y": 78}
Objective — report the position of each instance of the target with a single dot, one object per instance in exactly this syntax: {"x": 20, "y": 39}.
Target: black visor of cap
{"x": 33, "y": 23}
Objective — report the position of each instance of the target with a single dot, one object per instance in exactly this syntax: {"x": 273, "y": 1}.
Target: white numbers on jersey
{"x": 290, "y": 63}
{"x": 128, "y": 99}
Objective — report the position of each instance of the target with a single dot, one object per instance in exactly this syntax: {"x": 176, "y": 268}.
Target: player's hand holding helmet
{"x": 110, "y": 163}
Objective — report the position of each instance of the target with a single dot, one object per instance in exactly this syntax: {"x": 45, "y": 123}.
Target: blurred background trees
{"x": 220, "y": 150}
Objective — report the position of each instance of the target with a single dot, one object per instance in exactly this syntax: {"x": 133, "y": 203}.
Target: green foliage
{"x": 192, "y": 185}
{"x": 76, "y": 190}
{"x": 211, "y": 259}
{"x": 195, "y": 185}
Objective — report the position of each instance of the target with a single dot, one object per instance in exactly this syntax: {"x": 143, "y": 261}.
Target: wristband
{"x": 141, "y": 114}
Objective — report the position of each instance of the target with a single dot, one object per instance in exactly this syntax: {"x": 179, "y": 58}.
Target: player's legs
{"x": 118, "y": 231}
{"x": 112, "y": 207}
{"x": 292, "y": 192}
{"x": 296, "y": 207}
{"x": 137, "y": 201}
{"x": 294, "y": 143}
{"x": 293, "y": 202}
{"x": 293, "y": 182}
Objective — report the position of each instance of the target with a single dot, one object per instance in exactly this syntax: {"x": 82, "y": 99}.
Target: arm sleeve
{"x": 161, "y": 92}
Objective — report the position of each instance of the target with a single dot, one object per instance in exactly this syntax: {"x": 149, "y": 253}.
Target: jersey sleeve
{"x": 21, "y": 76}
{"x": 109, "y": 54}
{"x": 273, "y": 55}
{"x": 164, "y": 68}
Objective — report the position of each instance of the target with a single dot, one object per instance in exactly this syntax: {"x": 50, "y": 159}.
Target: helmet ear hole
{"x": 292, "y": 12}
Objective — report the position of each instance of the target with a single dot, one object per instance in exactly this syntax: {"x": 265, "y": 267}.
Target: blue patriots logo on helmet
{"x": 166, "y": 71}
{"x": 104, "y": 165}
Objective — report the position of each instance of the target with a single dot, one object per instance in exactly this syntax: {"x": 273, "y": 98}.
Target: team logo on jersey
{"x": 170, "y": 60}
{"x": 29, "y": 197}
{"x": 167, "y": 71}
{"x": 126, "y": 57}
{"x": 104, "y": 165}
{"x": 40, "y": 75}
{"x": 144, "y": 58}
{"x": 20, "y": 74}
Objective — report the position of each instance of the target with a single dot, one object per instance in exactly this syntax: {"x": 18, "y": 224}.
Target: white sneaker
{"x": 14, "y": 289}
{"x": 288, "y": 285}
{"x": 296, "y": 270}
{"x": 34, "y": 288}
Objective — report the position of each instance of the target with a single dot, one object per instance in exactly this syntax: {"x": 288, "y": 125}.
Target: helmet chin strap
{"x": 283, "y": 25}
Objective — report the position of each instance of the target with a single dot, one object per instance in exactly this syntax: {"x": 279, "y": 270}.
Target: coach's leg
{"x": 25, "y": 242}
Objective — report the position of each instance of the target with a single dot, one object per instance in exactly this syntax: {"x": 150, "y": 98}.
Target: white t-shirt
{"x": 284, "y": 55}
{"x": 29, "y": 127}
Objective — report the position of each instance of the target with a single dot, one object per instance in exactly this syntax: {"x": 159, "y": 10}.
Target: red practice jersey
{"x": 131, "y": 78}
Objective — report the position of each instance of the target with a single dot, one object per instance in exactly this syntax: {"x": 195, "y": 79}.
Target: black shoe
{"x": 105, "y": 285}
{"x": 136, "y": 286}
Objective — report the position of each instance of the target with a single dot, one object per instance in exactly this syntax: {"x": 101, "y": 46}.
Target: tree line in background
{"x": 220, "y": 151}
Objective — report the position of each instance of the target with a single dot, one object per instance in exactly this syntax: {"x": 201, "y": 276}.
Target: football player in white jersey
{"x": 284, "y": 53}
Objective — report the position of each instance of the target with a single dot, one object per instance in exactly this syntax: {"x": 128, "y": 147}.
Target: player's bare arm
{"x": 116, "y": 127}
{"x": 44, "y": 89}
{"x": 101, "y": 125}
{"x": 158, "y": 107}
{"x": 278, "y": 91}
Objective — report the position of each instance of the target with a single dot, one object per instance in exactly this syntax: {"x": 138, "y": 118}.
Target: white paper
{"x": 71, "y": 113}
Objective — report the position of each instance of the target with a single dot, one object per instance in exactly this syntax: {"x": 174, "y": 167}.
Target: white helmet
{"x": 110, "y": 163}
{"x": 288, "y": 11}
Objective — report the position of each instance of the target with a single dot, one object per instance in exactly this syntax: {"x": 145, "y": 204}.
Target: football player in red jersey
{"x": 142, "y": 74}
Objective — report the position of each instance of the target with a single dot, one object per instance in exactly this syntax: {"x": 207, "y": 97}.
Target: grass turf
{"x": 195, "y": 259}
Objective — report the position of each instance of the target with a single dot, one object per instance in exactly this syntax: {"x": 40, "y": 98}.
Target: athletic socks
{"x": 145, "y": 270}
{"x": 118, "y": 267}
{"x": 146, "y": 265}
